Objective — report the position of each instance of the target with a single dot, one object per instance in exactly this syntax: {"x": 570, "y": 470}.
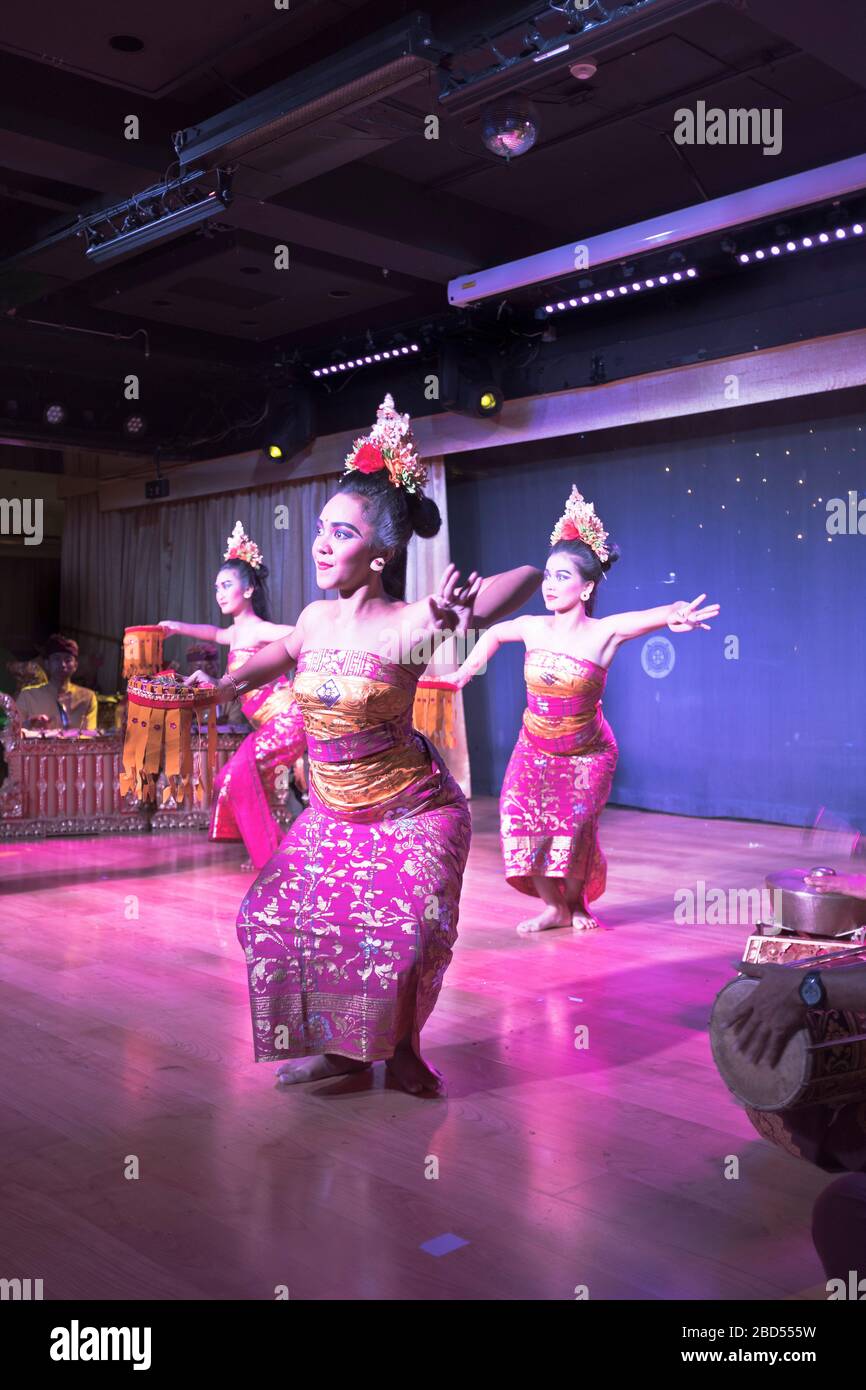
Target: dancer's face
{"x": 344, "y": 545}
{"x": 563, "y": 586}
{"x": 230, "y": 593}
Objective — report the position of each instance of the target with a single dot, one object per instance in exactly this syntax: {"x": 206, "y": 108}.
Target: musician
{"x": 58, "y": 704}
{"x": 763, "y": 1025}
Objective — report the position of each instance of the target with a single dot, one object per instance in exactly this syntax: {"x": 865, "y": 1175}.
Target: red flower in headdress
{"x": 369, "y": 459}
{"x": 569, "y": 532}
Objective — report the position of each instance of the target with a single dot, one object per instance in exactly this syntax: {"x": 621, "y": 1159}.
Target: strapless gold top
{"x": 351, "y": 701}
{"x": 557, "y": 677}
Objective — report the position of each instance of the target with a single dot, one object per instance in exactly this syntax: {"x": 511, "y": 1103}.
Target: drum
{"x": 823, "y": 1063}
{"x": 142, "y": 650}
{"x": 163, "y": 716}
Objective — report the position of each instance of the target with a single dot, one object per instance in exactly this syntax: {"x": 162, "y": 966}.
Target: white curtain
{"x": 123, "y": 568}
{"x": 425, "y": 562}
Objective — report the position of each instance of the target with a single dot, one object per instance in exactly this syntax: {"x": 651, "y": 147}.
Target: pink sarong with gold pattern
{"x": 349, "y": 929}
{"x": 244, "y": 792}
{"x": 559, "y": 776}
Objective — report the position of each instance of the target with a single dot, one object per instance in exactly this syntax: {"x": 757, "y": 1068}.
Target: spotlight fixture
{"x": 366, "y": 359}
{"x": 291, "y": 422}
{"x": 469, "y": 380}
{"x": 134, "y": 426}
{"x": 631, "y": 287}
{"x": 55, "y": 414}
{"x": 785, "y": 246}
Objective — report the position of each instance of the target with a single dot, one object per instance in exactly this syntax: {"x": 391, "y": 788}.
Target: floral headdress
{"x": 389, "y": 445}
{"x": 580, "y": 523}
{"x": 240, "y": 547}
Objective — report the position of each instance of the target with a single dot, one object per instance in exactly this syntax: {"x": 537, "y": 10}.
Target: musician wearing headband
{"x": 349, "y": 929}
{"x": 244, "y": 789}
{"x": 560, "y": 773}
{"x": 58, "y": 704}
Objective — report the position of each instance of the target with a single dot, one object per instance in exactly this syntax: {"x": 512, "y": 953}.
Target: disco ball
{"x": 510, "y": 127}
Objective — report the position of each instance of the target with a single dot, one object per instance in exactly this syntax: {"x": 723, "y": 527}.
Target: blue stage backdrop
{"x": 762, "y": 718}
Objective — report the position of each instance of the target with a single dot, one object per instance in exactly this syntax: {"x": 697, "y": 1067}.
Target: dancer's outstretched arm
{"x": 205, "y": 632}
{"x": 274, "y": 660}
{"x": 501, "y": 594}
{"x": 679, "y": 616}
{"x": 456, "y": 603}
{"x": 208, "y": 632}
{"x": 487, "y": 645}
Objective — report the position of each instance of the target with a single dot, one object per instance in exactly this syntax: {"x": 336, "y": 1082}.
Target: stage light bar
{"x": 716, "y": 216}
{"x": 787, "y": 245}
{"x": 631, "y": 287}
{"x": 367, "y": 359}
{"x": 160, "y": 229}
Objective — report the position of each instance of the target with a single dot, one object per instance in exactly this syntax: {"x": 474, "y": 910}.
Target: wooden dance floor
{"x": 128, "y": 1038}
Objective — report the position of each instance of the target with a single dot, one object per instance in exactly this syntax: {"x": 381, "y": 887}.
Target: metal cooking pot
{"x": 801, "y": 909}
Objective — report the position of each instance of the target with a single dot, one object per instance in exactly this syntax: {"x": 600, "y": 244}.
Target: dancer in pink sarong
{"x": 244, "y": 790}
{"x": 561, "y": 771}
{"x": 350, "y": 927}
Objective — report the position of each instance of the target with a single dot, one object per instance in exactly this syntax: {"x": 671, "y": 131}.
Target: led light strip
{"x": 803, "y": 243}
{"x": 631, "y": 287}
{"x": 368, "y": 360}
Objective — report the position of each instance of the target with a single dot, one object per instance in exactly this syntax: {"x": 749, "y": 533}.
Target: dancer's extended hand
{"x": 200, "y": 678}
{"x": 688, "y": 616}
{"x": 169, "y": 624}
{"x": 452, "y": 604}
{"x": 773, "y": 1012}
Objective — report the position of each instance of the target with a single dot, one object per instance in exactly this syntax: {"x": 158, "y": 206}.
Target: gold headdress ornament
{"x": 389, "y": 445}
{"x": 240, "y": 547}
{"x": 580, "y": 523}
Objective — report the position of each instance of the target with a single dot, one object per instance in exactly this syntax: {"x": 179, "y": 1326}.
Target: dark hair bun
{"x": 424, "y": 515}
{"x": 613, "y": 554}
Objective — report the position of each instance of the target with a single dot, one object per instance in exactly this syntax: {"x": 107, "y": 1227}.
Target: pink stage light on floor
{"x": 632, "y": 287}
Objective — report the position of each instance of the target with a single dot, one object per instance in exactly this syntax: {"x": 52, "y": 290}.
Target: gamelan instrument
{"x": 163, "y": 715}
{"x": 823, "y": 1063}
{"x": 823, "y": 1066}
{"x": 806, "y": 911}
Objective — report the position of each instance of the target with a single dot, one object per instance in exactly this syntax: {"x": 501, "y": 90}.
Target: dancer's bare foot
{"x": 411, "y": 1073}
{"x": 317, "y": 1068}
{"x": 583, "y": 920}
{"x": 552, "y": 916}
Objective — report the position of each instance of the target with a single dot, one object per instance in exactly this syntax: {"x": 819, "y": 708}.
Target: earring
{"x": 377, "y": 565}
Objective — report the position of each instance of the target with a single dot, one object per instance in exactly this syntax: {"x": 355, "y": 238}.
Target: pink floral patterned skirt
{"x": 549, "y": 812}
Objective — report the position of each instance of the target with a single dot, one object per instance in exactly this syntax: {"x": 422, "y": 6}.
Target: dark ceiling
{"x": 377, "y": 218}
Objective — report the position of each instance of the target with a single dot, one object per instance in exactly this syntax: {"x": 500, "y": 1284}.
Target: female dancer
{"x": 243, "y": 789}
{"x": 560, "y": 773}
{"x": 349, "y": 929}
